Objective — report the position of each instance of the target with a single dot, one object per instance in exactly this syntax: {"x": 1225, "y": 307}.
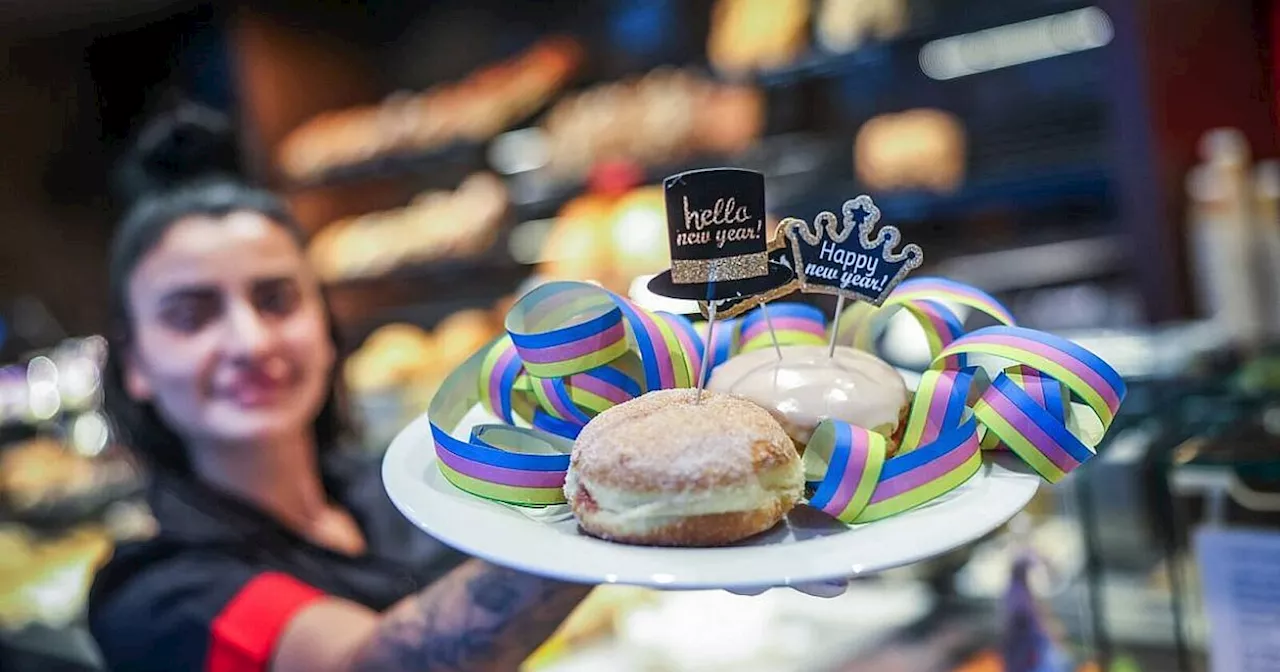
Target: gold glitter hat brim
{"x": 664, "y": 285}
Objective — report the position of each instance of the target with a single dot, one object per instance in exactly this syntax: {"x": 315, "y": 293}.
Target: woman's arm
{"x": 478, "y": 617}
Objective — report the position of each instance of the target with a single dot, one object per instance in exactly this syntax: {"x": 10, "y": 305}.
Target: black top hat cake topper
{"x": 716, "y": 227}
{"x": 830, "y": 260}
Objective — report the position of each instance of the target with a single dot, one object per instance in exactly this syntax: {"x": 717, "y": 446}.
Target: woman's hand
{"x": 478, "y": 617}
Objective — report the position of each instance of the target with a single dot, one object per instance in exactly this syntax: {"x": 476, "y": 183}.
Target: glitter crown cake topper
{"x": 829, "y": 259}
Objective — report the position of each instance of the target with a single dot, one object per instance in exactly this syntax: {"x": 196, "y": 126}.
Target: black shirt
{"x": 215, "y": 587}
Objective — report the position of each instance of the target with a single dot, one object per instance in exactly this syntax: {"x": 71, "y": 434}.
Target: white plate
{"x": 809, "y": 546}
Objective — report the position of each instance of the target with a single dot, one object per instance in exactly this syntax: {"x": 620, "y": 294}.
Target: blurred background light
{"x": 1016, "y": 43}
{"x": 89, "y": 434}
{"x": 649, "y": 301}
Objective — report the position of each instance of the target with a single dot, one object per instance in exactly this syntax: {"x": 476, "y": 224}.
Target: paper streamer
{"x": 926, "y": 299}
{"x": 501, "y": 369}
{"x": 1045, "y": 391}
{"x": 594, "y": 334}
{"x": 940, "y": 402}
{"x": 689, "y": 342}
{"x": 794, "y": 324}
{"x": 1024, "y": 407}
{"x": 944, "y": 290}
{"x": 853, "y": 454}
{"x": 574, "y": 350}
{"x": 940, "y": 451}
{"x": 501, "y": 462}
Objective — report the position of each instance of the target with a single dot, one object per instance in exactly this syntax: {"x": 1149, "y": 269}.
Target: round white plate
{"x": 809, "y": 546}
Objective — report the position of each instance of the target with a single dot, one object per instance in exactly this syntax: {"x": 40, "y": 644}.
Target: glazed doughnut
{"x": 662, "y": 470}
{"x": 806, "y": 386}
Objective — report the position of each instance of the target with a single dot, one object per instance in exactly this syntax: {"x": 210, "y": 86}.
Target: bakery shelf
{"x": 927, "y": 21}
{"x": 793, "y": 163}
{"x": 797, "y": 167}
{"x": 1027, "y": 190}
{"x": 815, "y": 64}
{"x": 423, "y": 293}
{"x": 65, "y": 513}
{"x": 436, "y": 163}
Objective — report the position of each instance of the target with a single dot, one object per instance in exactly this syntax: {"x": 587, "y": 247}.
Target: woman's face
{"x": 230, "y": 337}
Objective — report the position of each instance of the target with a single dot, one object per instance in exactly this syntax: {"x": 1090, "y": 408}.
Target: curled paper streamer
{"x": 1027, "y": 409}
{"x": 573, "y": 350}
{"x": 793, "y": 323}
{"x": 940, "y": 451}
{"x": 926, "y": 300}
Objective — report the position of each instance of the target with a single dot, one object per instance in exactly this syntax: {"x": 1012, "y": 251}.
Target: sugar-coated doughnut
{"x": 806, "y": 386}
{"x": 665, "y": 470}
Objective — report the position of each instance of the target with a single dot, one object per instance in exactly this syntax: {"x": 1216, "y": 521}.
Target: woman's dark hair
{"x": 183, "y": 164}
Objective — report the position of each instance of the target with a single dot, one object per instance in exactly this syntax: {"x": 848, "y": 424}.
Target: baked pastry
{"x": 391, "y": 356}
{"x": 435, "y": 225}
{"x": 757, "y": 35}
{"x": 916, "y": 149}
{"x": 665, "y": 470}
{"x": 806, "y": 386}
{"x": 578, "y": 245}
{"x": 461, "y": 334}
{"x": 42, "y": 472}
{"x": 476, "y": 108}
{"x": 638, "y": 235}
{"x": 843, "y": 25}
{"x": 667, "y": 115}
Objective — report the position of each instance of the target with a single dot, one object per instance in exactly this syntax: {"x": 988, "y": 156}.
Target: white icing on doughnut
{"x": 806, "y": 386}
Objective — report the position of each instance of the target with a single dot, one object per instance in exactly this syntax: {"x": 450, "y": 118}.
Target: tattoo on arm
{"x": 478, "y": 617}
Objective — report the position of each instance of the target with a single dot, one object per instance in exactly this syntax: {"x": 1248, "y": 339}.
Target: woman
{"x": 274, "y": 552}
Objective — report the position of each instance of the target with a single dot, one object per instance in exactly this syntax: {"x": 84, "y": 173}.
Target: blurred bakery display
{"x": 41, "y": 475}
{"x": 436, "y": 225}
{"x": 396, "y": 371}
{"x": 68, "y": 494}
{"x": 606, "y": 238}
{"x": 748, "y": 36}
{"x": 760, "y": 37}
{"x": 472, "y": 110}
{"x": 46, "y": 580}
{"x": 629, "y": 629}
{"x": 662, "y": 117}
{"x": 555, "y": 189}
{"x": 59, "y": 463}
{"x": 445, "y": 156}
{"x": 844, "y": 25}
{"x": 45, "y": 575}
{"x": 65, "y": 380}
{"x": 913, "y": 149}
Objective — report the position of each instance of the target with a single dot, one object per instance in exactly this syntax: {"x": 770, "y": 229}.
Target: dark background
{"x": 1109, "y": 133}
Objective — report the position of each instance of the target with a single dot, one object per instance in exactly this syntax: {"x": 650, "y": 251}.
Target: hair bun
{"x": 188, "y": 143}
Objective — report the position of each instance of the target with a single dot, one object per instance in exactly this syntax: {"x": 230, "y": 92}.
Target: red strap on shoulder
{"x": 244, "y": 633}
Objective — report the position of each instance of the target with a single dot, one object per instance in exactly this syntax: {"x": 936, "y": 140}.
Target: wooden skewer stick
{"x": 706, "y": 357}
{"x": 835, "y": 328}
{"x": 764, "y": 309}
